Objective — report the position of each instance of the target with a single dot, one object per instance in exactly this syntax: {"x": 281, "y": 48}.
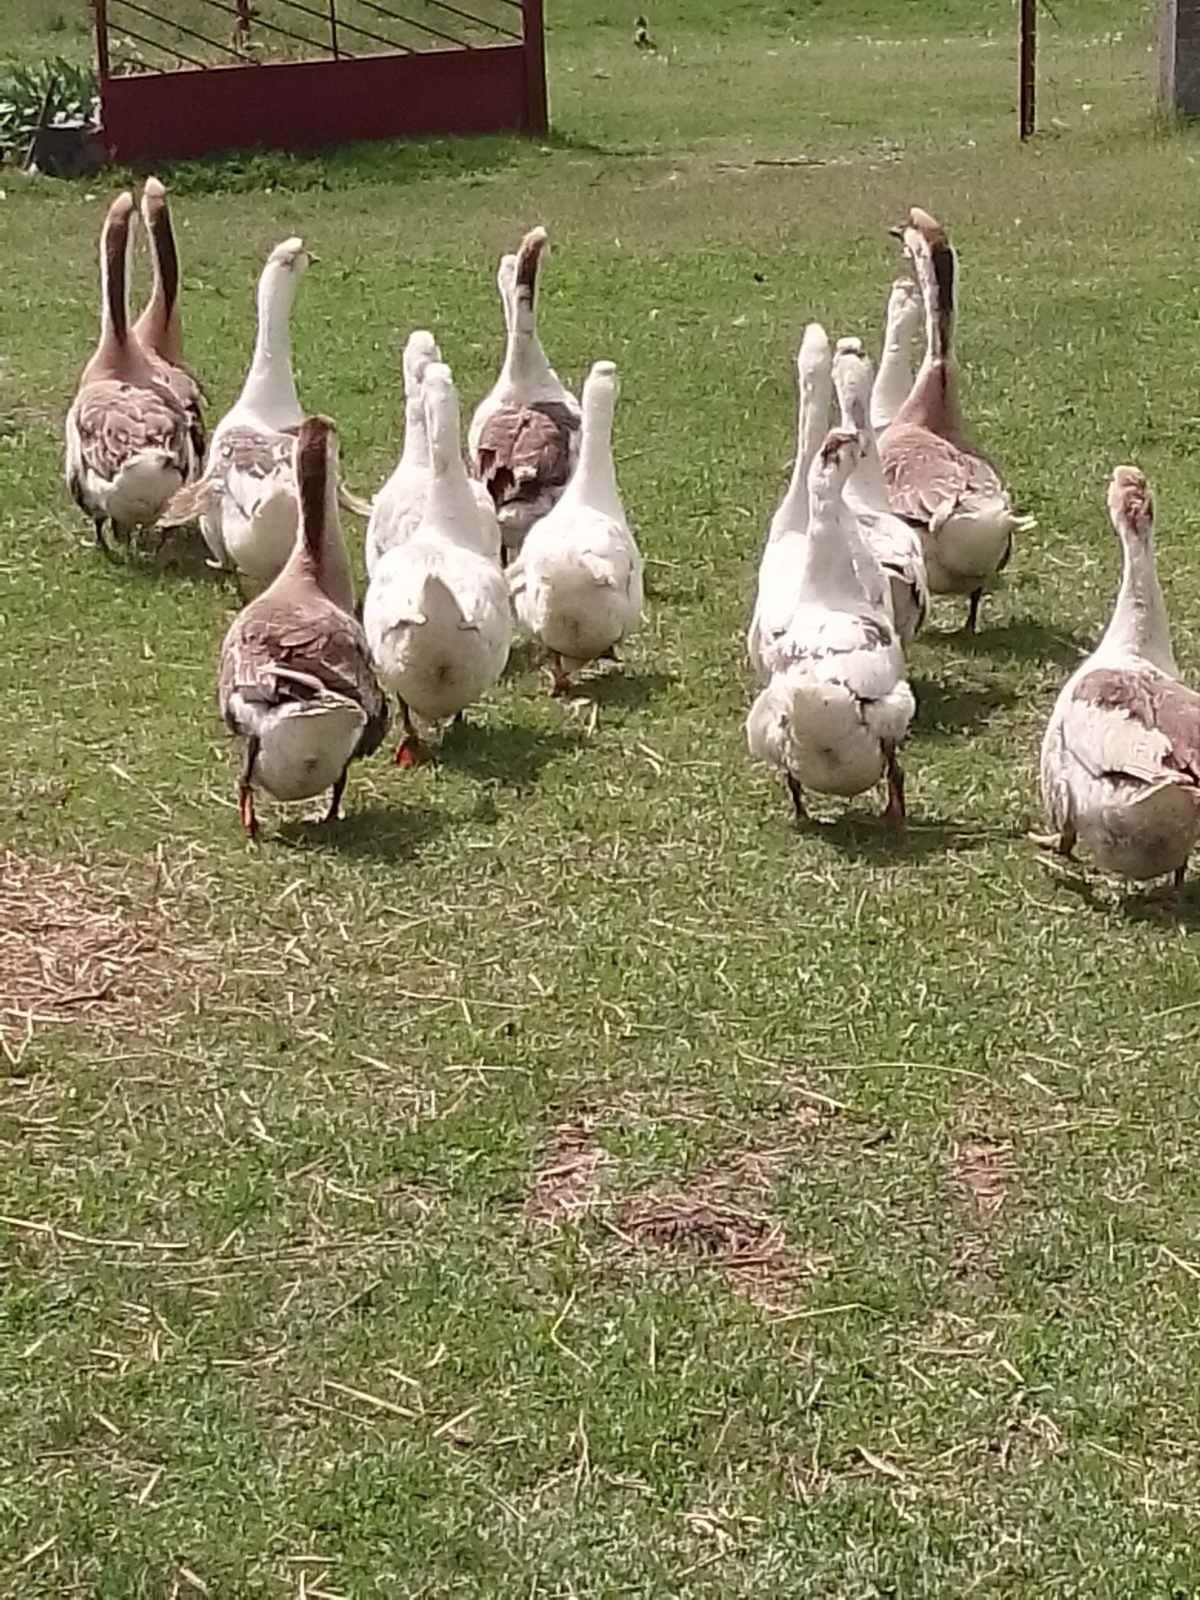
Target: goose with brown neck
{"x": 295, "y": 682}
{"x": 159, "y": 329}
{"x": 577, "y": 582}
{"x": 398, "y": 508}
{"x": 1120, "y": 765}
{"x": 246, "y": 500}
{"x": 936, "y": 478}
{"x": 524, "y": 437}
{"x": 127, "y": 444}
{"x": 437, "y": 613}
{"x": 833, "y": 716}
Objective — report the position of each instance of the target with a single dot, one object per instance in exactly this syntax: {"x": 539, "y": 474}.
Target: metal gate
{"x": 298, "y": 74}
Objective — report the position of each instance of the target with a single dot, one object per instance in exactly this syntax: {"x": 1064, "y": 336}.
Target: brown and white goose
{"x": 1120, "y": 764}
{"x": 128, "y": 447}
{"x": 524, "y": 437}
{"x": 295, "y": 680}
{"x": 159, "y": 329}
{"x": 936, "y": 479}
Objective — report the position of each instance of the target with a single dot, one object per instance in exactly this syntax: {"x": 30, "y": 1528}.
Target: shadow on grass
{"x": 1157, "y": 904}
{"x": 623, "y": 688}
{"x": 862, "y": 837}
{"x": 512, "y": 755}
{"x": 944, "y": 710}
{"x": 381, "y": 833}
{"x": 1016, "y": 641}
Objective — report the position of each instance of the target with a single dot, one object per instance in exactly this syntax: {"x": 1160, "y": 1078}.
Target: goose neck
{"x": 828, "y": 562}
{"x": 811, "y": 422}
{"x": 159, "y": 322}
{"x": 1140, "y": 625}
{"x": 115, "y": 249}
{"x": 270, "y": 386}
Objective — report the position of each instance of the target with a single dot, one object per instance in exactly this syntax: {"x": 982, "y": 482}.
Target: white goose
{"x": 159, "y": 329}
{"x": 577, "y": 583}
{"x": 936, "y": 479}
{"x": 895, "y": 543}
{"x": 295, "y": 680}
{"x": 437, "y": 612}
{"x": 768, "y": 638}
{"x": 834, "y": 717}
{"x": 246, "y": 499}
{"x": 1120, "y": 764}
{"x": 397, "y": 509}
{"x": 894, "y": 379}
{"x": 524, "y": 436}
{"x": 128, "y": 449}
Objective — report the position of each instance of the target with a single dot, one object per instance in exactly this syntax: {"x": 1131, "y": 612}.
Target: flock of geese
{"x": 890, "y": 506}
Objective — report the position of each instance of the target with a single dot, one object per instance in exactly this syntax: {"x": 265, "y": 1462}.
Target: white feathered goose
{"x": 295, "y": 681}
{"x": 577, "y": 582}
{"x": 524, "y": 436}
{"x": 159, "y": 329}
{"x": 128, "y": 448}
{"x": 894, "y": 379}
{"x": 1120, "y": 764}
{"x": 833, "y": 718}
{"x": 936, "y": 479}
{"x": 246, "y": 499}
{"x": 398, "y": 508}
{"x": 437, "y": 611}
{"x": 895, "y": 543}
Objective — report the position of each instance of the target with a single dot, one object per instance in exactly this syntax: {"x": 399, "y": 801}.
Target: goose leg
{"x": 973, "y": 611}
{"x": 1061, "y": 844}
{"x": 1179, "y": 875}
{"x": 894, "y": 812}
{"x": 246, "y": 792}
{"x": 611, "y": 655}
{"x": 411, "y": 751}
{"x": 562, "y": 683}
{"x": 102, "y": 543}
{"x": 335, "y": 800}
{"x": 797, "y": 794}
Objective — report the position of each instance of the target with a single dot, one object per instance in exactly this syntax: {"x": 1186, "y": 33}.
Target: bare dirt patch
{"x": 569, "y": 1178}
{"x": 982, "y": 1177}
{"x": 86, "y": 945}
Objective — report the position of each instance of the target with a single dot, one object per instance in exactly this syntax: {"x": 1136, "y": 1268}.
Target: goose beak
{"x": 897, "y": 233}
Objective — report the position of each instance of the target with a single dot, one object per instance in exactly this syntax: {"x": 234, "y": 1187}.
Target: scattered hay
{"x": 76, "y": 946}
{"x": 568, "y": 1179}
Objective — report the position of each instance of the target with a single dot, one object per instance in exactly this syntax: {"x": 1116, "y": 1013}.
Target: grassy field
{"x": 568, "y": 1179}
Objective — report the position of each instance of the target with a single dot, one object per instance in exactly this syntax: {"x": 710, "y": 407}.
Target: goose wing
{"x": 276, "y": 653}
{"x": 525, "y": 449}
{"x": 241, "y": 464}
{"x": 927, "y": 476}
{"x": 1135, "y": 722}
{"x": 116, "y": 421}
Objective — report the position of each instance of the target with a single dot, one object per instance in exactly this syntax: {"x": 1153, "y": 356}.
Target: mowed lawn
{"x": 568, "y": 1179}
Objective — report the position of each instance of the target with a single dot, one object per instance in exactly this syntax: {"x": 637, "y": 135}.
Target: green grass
{"x": 402, "y": 1102}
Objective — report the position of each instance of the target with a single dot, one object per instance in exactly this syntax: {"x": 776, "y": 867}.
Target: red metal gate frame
{"x": 198, "y": 111}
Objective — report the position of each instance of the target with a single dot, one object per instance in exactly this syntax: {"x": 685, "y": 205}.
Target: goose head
{"x": 525, "y": 276}
{"x": 420, "y": 348}
{"x": 903, "y": 311}
{"x": 441, "y": 416}
{"x": 1131, "y": 507}
{"x": 927, "y": 246}
{"x": 852, "y": 378}
{"x": 840, "y": 453}
{"x": 289, "y": 260}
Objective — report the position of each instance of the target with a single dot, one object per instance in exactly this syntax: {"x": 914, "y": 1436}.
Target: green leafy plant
{"x": 23, "y": 90}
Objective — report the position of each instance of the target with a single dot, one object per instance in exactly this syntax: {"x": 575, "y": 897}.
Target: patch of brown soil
{"x": 83, "y": 945}
{"x": 568, "y": 1179}
{"x": 983, "y": 1170}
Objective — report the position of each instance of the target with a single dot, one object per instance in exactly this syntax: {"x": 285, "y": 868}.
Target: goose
{"x": 397, "y": 509}
{"x": 577, "y": 582}
{"x": 895, "y": 543}
{"x": 768, "y": 636}
{"x": 437, "y": 612}
{"x": 936, "y": 480}
{"x": 295, "y": 681}
{"x": 127, "y": 444}
{"x": 158, "y": 329}
{"x": 835, "y": 714}
{"x": 1120, "y": 765}
{"x": 894, "y": 379}
{"x": 246, "y": 499}
{"x": 524, "y": 436}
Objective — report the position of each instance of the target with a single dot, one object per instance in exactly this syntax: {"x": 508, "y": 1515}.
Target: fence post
{"x": 100, "y": 11}
{"x": 1028, "y": 68}
{"x": 333, "y": 31}
{"x": 533, "y": 30}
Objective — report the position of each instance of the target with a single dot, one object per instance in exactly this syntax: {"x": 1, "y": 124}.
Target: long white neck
{"x": 525, "y": 362}
{"x": 828, "y": 563}
{"x": 1140, "y": 625}
{"x": 594, "y": 481}
{"x": 895, "y": 376}
{"x": 812, "y": 421}
{"x": 270, "y": 387}
{"x": 451, "y": 507}
{"x": 852, "y": 380}
{"x": 415, "y": 451}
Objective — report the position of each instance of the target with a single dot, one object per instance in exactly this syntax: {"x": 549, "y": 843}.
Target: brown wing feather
{"x": 924, "y": 472}
{"x": 304, "y": 634}
{"x": 189, "y": 391}
{"x": 1155, "y": 702}
{"x": 524, "y": 450}
{"x": 115, "y": 420}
